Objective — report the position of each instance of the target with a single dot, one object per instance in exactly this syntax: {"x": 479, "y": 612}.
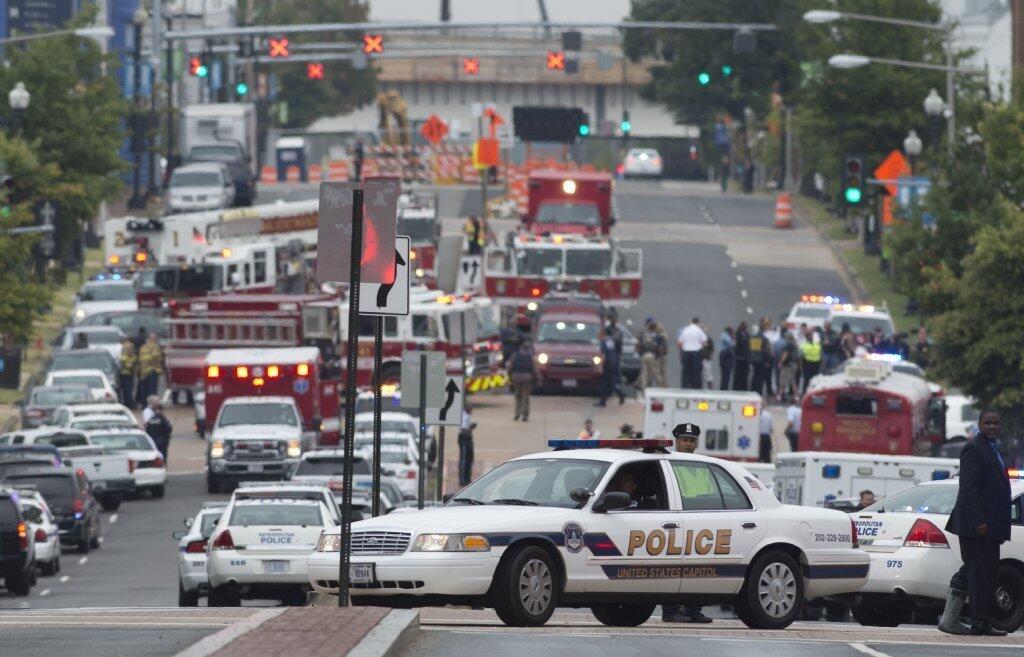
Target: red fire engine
{"x": 569, "y": 202}
{"x": 298, "y": 372}
{"x": 534, "y": 265}
{"x": 228, "y": 321}
{"x": 417, "y": 218}
{"x": 867, "y": 408}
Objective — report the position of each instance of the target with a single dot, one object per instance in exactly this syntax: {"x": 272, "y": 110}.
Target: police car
{"x": 812, "y": 310}
{"x": 192, "y": 547}
{"x": 259, "y": 549}
{"x": 913, "y": 557}
{"x": 592, "y": 524}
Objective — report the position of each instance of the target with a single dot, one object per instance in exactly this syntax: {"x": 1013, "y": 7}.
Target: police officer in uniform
{"x": 686, "y": 436}
{"x": 159, "y": 428}
{"x": 128, "y": 369}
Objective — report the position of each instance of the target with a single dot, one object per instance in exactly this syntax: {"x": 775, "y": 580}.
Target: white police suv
{"x": 615, "y": 525}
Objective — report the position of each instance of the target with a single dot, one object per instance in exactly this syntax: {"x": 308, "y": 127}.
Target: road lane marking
{"x": 64, "y": 578}
{"x": 732, "y": 264}
{"x": 860, "y": 647}
{"x": 83, "y": 560}
{"x": 113, "y": 518}
{"x": 739, "y": 278}
{"x": 99, "y": 540}
{"x": 743, "y": 293}
{"x": 44, "y": 592}
{"x": 750, "y": 311}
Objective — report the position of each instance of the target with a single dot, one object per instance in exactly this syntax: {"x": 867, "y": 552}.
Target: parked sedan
{"x": 40, "y": 403}
{"x": 43, "y": 526}
{"x": 192, "y": 546}
{"x": 84, "y": 359}
{"x": 97, "y": 382}
{"x": 107, "y": 338}
{"x": 148, "y": 468}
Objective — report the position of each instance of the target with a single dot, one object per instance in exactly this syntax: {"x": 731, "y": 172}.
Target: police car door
{"x": 721, "y": 525}
{"x": 636, "y": 549}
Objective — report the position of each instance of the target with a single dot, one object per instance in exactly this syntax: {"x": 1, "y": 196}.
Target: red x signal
{"x": 556, "y": 60}
{"x": 279, "y": 47}
{"x": 373, "y": 44}
{"x": 315, "y": 71}
{"x": 470, "y": 65}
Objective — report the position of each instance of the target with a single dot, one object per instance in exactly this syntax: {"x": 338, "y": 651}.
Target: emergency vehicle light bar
{"x": 1015, "y": 473}
{"x": 652, "y": 444}
{"x": 820, "y": 298}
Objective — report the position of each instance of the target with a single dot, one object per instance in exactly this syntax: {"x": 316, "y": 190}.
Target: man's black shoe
{"x": 696, "y": 617}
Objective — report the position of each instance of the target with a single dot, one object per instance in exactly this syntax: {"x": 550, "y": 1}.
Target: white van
{"x": 728, "y": 420}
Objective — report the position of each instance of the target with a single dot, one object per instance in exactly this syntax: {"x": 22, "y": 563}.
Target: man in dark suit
{"x": 981, "y": 519}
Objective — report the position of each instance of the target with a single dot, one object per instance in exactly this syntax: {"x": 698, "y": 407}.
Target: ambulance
{"x": 417, "y": 218}
{"x": 561, "y": 202}
{"x": 728, "y": 420}
{"x": 817, "y": 478}
{"x": 530, "y": 266}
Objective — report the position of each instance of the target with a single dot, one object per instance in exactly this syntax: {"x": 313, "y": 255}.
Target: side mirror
{"x": 612, "y": 501}
{"x": 178, "y": 534}
{"x": 187, "y": 522}
{"x": 579, "y": 495}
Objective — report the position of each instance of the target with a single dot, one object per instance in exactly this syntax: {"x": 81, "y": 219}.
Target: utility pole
{"x": 1017, "y": 30}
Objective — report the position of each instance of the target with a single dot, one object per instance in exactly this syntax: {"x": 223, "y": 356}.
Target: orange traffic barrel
{"x": 783, "y": 211}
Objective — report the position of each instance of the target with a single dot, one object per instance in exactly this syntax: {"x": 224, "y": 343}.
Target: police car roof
{"x": 94, "y": 409}
{"x": 283, "y": 355}
{"x": 386, "y": 415}
{"x": 324, "y": 453}
{"x": 99, "y": 417}
{"x": 261, "y": 399}
{"x": 114, "y": 430}
{"x": 613, "y": 455}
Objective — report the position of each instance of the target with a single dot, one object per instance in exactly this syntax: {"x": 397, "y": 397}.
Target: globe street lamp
{"x": 19, "y": 98}
{"x": 912, "y": 147}
{"x": 137, "y": 201}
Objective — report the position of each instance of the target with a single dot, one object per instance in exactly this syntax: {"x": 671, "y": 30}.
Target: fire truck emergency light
{"x": 140, "y": 257}
{"x": 213, "y": 372}
{"x": 273, "y": 371}
{"x": 258, "y": 381}
{"x": 569, "y": 186}
{"x": 302, "y": 369}
{"x": 242, "y": 372}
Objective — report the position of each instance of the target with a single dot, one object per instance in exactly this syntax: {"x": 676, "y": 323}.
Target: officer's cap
{"x": 686, "y": 430}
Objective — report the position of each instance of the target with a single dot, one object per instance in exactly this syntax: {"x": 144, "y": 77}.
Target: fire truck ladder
{"x": 234, "y": 332}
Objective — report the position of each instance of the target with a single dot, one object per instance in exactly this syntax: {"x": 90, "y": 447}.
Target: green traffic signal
{"x": 241, "y": 88}
{"x": 852, "y": 195}
{"x": 726, "y": 70}
{"x": 202, "y": 71}
{"x": 625, "y": 126}
{"x": 584, "y": 130}
{"x": 704, "y": 78}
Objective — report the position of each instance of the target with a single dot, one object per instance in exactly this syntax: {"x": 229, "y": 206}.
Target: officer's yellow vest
{"x": 811, "y": 351}
{"x": 694, "y": 482}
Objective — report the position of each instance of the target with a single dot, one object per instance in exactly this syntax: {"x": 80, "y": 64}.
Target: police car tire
{"x": 748, "y": 603}
{"x": 1009, "y": 583}
{"x": 221, "y": 597}
{"x": 212, "y": 486}
{"x": 158, "y": 492}
{"x": 879, "y": 616}
{"x": 111, "y": 502}
{"x": 187, "y": 598}
{"x": 522, "y": 563}
{"x": 622, "y": 615}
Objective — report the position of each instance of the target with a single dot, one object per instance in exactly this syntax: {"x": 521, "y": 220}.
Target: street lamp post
{"x": 19, "y": 98}
{"x": 933, "y": 108}
{"x": 912, "y": 147}
{"x": 137, "y": 201}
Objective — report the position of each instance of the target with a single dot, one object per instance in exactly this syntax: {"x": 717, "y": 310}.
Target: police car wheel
{"x": 879, "y": 616}
{"x": 622, "y": 615}
{"x": 158, "y": 492}
{"x": 222, "y": 597}
{"x": 773, "y": 592}
{"x": 187, "y": 598}
{"x": 526, "y": 588}
{"x": 1008, "y": 614}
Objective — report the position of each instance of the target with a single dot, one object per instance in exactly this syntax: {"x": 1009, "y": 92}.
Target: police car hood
{"x": 490, "y": 518}
{"x": 257, "y": 432}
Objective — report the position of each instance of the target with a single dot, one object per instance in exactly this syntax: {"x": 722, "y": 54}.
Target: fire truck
{"x": 574, "y": 202}
{"x": 417, "y": 218}
{"x": 233, "y": 321}
{"x": 436, "y": 322}
{"x": 296, "y": 372}
{"x": 532, "y": 265}
{"x": 869, "y": 408}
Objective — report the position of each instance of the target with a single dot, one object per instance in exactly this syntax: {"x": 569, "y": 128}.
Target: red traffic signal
{"x": 193, "y": 65}
{"x": 279, "y": 47}
{"x": 315, "y": 71}
{"x": 556, "y": 60}
{"x": 470, "y": 65}
{"x": 373, "y": 44}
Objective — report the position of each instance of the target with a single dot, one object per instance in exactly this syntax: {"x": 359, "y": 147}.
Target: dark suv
{"x": 17, "y": 554}
{"x": 69, "y": 494}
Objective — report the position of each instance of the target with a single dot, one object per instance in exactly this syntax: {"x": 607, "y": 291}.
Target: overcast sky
{"x": 492, "y": 10}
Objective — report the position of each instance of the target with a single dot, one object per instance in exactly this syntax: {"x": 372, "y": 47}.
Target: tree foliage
{"x": 343, "y": 88}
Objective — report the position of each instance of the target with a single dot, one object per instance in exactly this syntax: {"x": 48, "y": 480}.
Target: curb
{"x": 214, "y": 642}
{"x": 389, "y": 636}
{"x": 849, "y": 276}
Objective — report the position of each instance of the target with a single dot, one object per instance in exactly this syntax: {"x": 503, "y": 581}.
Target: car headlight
{"x": 597, "y": 360}
{"x": 542, "y": 358}
{"x": 329, "y": 543}
{"x": 80, "y": 314}
{"x": 217, "y": 450}
{"x": 294, "y": 449}
{"x": 451, "y": 543}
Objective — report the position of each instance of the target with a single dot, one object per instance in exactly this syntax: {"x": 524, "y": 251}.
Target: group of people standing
{"x": 140, "y": 368}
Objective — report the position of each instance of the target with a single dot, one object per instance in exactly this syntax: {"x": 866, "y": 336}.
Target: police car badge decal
{"x": 573, "y": 534}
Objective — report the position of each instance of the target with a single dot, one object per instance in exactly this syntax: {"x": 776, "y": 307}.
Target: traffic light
{"x": 625, "y": 126}
{"x": 315, "y": 71}
{"x": 241, "y": 89}
{"x": 278, "y": 47}
{"x": 197, "y": 67}
{"x": 471, "y": 65}
{"x": 726, "y": 70}
{"x": 704, "y": 78}
{"x": 853, "y": 181}
{"x": 584, "y": 129}
{"x": 373, "y": 44}
{"x": 556, "y": 60}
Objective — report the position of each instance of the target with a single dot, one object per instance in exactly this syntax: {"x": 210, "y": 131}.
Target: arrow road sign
{"x": 470, "y": 275}
{"x": 450, "y": 411}
{"x": 389, "y": 298}
{"x": 411, "y": 379}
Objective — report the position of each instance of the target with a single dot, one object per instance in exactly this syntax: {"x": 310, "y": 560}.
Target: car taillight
{"x": 335, "y": 485}
{"x": 41, "y": 535}
{"x": 198, "y": 547}
{"x": 411, "y": 474}
{"x": 79, "y": 505}
{"x": 223, "y": 541}
{"x": 924, "y": 533}
{"x": 159, "y": 462}
{"x": 853, "y": 534}
{"x": 23, "y": 535}
{"x": 657, "y": 406}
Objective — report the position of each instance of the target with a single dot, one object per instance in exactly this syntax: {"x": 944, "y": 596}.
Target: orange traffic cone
{"x": 783, "y": 211}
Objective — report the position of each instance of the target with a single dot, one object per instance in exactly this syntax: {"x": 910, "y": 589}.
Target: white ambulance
{"x": 817, "y": 478}
{"x": 728, "y": 420}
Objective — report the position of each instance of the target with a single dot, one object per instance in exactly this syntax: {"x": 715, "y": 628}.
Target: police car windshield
{"x": 388, "y": 426}
{"x": 52, "y": 397}
{"x": 540, "y": 262}
{"x": 863, "y": 324}
{"x": 63, "y": 440}
{"x": 108, "y": 293}
{"x": 588, "y": 262}
{"x": 330, "y": 466}
{"x": 83, "y": 379}
{"x": 122, "y": 441}
{"x": 544, "y": 482}
{"x": 237, "y": 414}
{"x": 933, "y": 498}
{"x": 568, "y": 331}
{"x": 277, "y": 514}
{"x": 106, "y": 423}
{"x": 394, "y": 456}
{"x": 98, "y": 337}
{"x": 195, "y": 179}
{"x": 811, "y": 312}
{"x": 568, "y": 213}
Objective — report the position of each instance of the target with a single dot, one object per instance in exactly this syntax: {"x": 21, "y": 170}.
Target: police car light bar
{"x": 614, "y": 443}
{"x": 1015, "y": 473}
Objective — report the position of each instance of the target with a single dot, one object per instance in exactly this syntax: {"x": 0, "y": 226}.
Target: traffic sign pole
{"x": 350, "y": 396}
{"x": 378, "y": 349}
{"x": 440, "y": 464}
{"x": 423, "y": 430}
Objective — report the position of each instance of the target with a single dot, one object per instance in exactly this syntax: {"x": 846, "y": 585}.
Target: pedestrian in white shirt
{"x": 793, "y": 413}
{"x": 692, "y": 339}
{"x": 765, "y": 445}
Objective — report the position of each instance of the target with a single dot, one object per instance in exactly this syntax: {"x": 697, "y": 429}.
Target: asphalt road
{"x": 100, "y": 641}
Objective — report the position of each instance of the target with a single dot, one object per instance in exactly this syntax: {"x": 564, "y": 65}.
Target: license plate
{"x": 275, "y": 566}
{"x": 361, "y": 573}
{"x": 569, "y": 383}
{"x": 255, "y": 467}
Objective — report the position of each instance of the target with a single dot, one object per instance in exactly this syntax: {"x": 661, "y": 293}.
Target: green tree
{"x": 343, "y": 88}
